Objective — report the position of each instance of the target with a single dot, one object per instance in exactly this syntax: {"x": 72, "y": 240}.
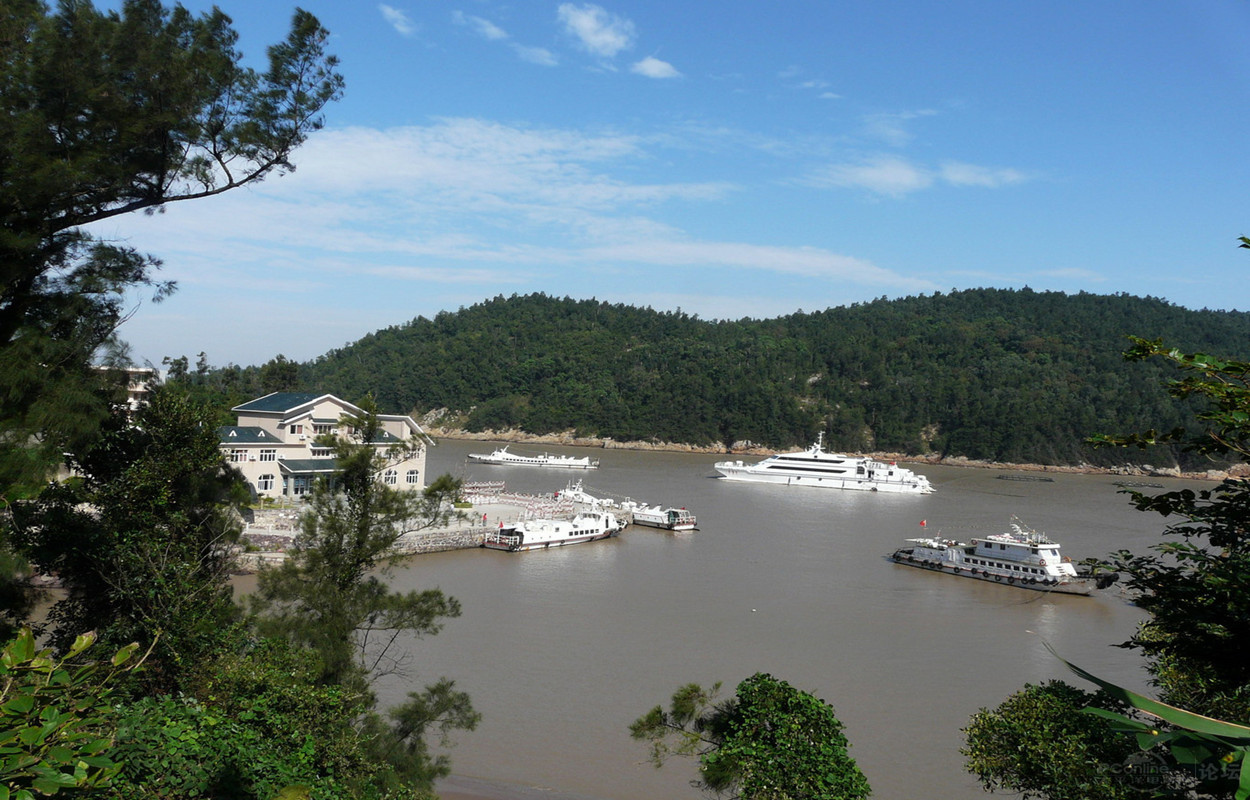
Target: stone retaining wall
{"x": 272, "y": 547}
{"x": 438, "y": 541}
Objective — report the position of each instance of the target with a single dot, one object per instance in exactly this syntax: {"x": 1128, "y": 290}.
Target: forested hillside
{"x": 1004, "y": 375}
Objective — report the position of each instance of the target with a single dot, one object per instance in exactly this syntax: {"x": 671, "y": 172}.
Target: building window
{"x": 322, "y": 429}
{"x": 299, "y": 486}
{"x": 391, "y": 477}
{"x": 320, "y": 452}
{"x": 264, "y": 483}
{"x": 238, "y": 455}
{"x": 296, "y": 429}
{"x": 413, "y": 477}
{"x": 269, "y": 455}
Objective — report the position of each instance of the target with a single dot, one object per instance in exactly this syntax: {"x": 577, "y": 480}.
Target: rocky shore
{"x": 432, "y": 426}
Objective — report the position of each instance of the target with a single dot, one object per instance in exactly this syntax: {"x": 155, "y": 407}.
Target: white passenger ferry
{"x": 815, "y": 467}
{"x": 539, "y": 534}
{"x": 502, "y": 456}
{"x": 1021, "y": 557}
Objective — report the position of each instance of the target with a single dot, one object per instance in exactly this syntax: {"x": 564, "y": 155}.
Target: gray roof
{"x": 279, "y": 402}
{"x": 305, "y": 466}
{"x": 245, "y": 434}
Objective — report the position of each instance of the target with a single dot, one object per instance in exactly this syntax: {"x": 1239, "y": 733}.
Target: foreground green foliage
{"x": 55, "y": 718}
{"x": 104, "y": 114}
{"x": 769, "y": 742}
{"x": 257, "y": 722}
{"x": 1038, "y": 743}
{"x": 1211, "y": 754}
{"x": 107, "y": 113}
{"x": 330, "y": 597}
{"x": 140, "y": 538}
{"x": 1195, "y": 586}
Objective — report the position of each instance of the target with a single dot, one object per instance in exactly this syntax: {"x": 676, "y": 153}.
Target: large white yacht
{"x": 1020, "y": 557}
{"x": 815, "y": 467}
{"x": 503, "y": 457}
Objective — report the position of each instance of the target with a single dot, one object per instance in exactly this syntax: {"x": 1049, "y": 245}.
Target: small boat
{"x": 815, "y": 467}
{"x": 502, "y": 456}
{"x": 539, "y": 534}
{"x": 678, "y": 520}
{"x": 1021, "y": 557}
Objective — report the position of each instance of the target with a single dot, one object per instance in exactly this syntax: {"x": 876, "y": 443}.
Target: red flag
{"x": 924, "y": 523}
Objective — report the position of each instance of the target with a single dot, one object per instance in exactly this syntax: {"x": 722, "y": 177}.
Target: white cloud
{"x": 888, "y": 175}
{"x": 397, "y": 19}
{"x": 960, "y": 174}
{"x": 808, "y": 262}
{"x": 600, "y": 33}
{"x": 655, "y": 68}
{"x": 892, "y": 127}
{"x": 492, "y": 32}
{"x": 536, "y": 55}
{"x": 484, "y": 27}
{"x": 378, "y": 225}
{"x": 895, "y": 177}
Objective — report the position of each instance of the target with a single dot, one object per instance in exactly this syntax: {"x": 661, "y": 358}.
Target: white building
{"x": 274, "y": 443}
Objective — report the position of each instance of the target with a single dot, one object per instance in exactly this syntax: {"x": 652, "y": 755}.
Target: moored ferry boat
{"x": 503, "y": 457}
{"x": 1020, "y": 557}
{"x": 815, "y": 467}
{"x": 539, "y": 534}
{"x": 678, "y": 520}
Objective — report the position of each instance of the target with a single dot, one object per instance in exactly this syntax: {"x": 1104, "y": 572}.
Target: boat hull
{"x": 1079, "y": 586}
{"x": 524, "y": 546}
{"x": 654, "y": 521}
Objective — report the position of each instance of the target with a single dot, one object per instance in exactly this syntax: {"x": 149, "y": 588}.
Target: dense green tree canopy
{"x": 140, "y": 537}
{"x": 108, "y": 113}
{"x": 1040, "y": 744}
{"x": 992, "y": 374}
{"x": 768, "y": 742}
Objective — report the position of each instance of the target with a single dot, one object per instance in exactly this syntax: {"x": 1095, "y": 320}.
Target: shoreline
{"x": 569, "y": 439}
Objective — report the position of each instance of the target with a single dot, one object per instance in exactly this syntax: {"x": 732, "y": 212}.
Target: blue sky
{"x": 733, "y": 158}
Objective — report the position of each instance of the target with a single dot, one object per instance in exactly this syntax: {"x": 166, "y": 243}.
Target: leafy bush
{"x": 55, "y": 719}
{"x": 257, "y": 726}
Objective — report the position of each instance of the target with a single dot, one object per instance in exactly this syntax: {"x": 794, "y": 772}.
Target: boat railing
{"x": 503, "y": 539}
{"x": 483, "y": 489}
